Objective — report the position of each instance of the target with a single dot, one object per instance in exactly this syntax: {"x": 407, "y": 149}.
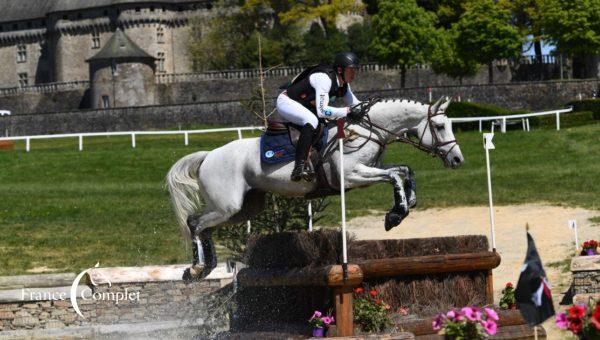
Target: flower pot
{"x": 318, "y": 332}
{"x": 590, "y": 252}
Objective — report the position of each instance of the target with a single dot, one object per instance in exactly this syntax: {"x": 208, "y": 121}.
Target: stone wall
{"x": 152, "y": 294}
{"x": 128, "y": 119}
{"x": 586, "y": 278}
{"x": 531, "y": 96}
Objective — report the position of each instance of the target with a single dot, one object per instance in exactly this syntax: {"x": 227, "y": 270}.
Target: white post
{"x": 249, "y": 228}
{"x": 310, "y": 216}
{"x": 186, "y": 137}
{"x": 503, "y": 128}
{"x": 557, "y": 121}
{"x": 527, "y": 120}
{"x": 480, "y": 125}
{"x": 340, "y": 136}
{"x": 133, "y": 140}
{"x": 429, "y": 90}
{"x": 27, "y": 144}
{"x": 523, "y": 124}
{"x": 573, "y": 225}
{"x": 240, "y": 134}
{"x": 487, "y": 145}
{"x": 80, "y": 142}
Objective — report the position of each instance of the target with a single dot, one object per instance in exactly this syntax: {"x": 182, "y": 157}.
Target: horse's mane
{"x": 387, "y": 102}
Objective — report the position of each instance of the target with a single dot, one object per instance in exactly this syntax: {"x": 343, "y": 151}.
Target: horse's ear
{"x": 436, "y": 106}
{"x": 445, "y": 105}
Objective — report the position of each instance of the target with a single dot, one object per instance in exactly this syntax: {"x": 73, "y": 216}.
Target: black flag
{"x": 533, "y": 296}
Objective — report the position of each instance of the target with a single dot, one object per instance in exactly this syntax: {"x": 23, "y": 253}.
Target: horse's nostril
{"x": 456, "y": 160}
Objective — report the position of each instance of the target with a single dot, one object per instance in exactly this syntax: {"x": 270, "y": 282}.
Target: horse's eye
{"x": 440, "y": 127}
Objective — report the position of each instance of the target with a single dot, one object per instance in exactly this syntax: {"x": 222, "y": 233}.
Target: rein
{"x": 435, "y": 150}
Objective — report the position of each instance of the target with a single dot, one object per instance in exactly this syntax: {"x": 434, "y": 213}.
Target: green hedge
{"x": 592, "y": 105}
{"x": 567, "y": 119}
{"x": 469, "y": 109}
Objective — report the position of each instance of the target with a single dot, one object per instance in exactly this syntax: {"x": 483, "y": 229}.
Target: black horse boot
{"x": 302, "y": 148}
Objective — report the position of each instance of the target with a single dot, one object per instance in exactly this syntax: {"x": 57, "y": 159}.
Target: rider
{"x": 306, "y": 101}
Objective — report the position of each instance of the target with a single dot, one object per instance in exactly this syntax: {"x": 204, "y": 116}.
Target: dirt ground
{"x": 547, "y": 224}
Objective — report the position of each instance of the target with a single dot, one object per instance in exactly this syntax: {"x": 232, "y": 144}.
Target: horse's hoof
{"x": 194, "y": 273}
{"x": 393, "y": 219}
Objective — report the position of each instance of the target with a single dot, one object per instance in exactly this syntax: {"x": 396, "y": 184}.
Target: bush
{"x": 592, "y": 105}
{"x": 469, "y": 109}
{"x": 567, "y": 119}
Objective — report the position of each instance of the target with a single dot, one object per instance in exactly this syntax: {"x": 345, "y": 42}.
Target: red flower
{"x": 575, "y": 325}
{"x": 378, "y": 302}
{"x": 509, "y": 285}
{"x": 373, "y": 293}
{"x": 577, "y": 312}
{"x": 358, "y": 291}
{"x": 595, "y": 320}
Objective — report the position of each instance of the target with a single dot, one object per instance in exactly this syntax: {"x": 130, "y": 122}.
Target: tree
{"x": 326, "y": 12}
{"x": 360, "y": 36}
{"x": 448, "y": 11}
{"x": 404, "y": 34}
{"x": 447, "y": 59}
{"x": 573, "y": 26}
{"x": 485, "y": 32}
{"x": 526, "y": 17}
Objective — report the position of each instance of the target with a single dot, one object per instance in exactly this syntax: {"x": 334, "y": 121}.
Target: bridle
{"x": 434, "y": 150}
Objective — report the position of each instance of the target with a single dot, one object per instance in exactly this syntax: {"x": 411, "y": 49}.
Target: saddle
{"x": 278, "y": 142}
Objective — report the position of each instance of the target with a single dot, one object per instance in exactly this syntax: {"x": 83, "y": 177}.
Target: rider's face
{"x": 349, "y": 74}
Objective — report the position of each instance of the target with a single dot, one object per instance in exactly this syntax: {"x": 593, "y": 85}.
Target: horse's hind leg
{"x": 204, "y": 256}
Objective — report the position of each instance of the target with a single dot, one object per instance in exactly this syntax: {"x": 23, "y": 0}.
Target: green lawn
{"x": 67, "y": 210}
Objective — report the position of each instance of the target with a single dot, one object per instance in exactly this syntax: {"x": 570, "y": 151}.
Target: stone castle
{"x": 102, "y": 41}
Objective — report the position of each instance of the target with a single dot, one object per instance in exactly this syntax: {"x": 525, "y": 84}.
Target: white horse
{"x": 232, "y": 181}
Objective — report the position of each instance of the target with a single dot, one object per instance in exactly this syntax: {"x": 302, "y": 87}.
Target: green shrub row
{"x": 585, "y": 112}
{"x": 592, "y": 105}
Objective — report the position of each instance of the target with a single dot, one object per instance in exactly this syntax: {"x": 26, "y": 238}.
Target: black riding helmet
{"x": 345, "y": 59}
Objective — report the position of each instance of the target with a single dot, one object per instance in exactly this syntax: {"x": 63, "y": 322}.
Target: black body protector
{"x": 301, "y": 91}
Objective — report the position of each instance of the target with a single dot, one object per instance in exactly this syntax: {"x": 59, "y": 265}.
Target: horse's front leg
{"x": 363, "y": 175}
{"x": 410, "y": 184}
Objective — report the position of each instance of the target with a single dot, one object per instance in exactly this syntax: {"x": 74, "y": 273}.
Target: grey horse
{"x": 227, "y": 185}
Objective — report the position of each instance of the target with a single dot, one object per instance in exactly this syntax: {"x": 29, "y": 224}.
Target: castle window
{"x": 15, "y": 26}
{"x": 95, "y": 39}
{"x": 114, "y": 69}
{"x": 164, "y": 9}
{"x": 105, "y": 13}
{"x": 160, "y": 62}
{"x": 137, "y": 9}
{"x": 23, "y": 79}
{"x": 29, "y": 24}
{"x": 160, "y": 35}
{"x": 21, "y": 53}
{"x": 151, "y": 8}
{"x": 105, "y": 102}
{"x": 1, "y": 28}
{"x": 79, "y": 16}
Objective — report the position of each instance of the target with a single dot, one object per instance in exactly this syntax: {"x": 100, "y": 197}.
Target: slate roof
{"x": 17, "y": 10}
{"x": 119, "y": 46}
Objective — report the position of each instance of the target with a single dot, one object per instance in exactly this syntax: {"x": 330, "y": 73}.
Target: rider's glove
{"x": 355, "y": 115}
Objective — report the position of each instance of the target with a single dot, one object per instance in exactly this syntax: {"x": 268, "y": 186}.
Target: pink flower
{"x": 327, "y": 320}
{"x": 491, "y": 314}
{"x": 561, "y": 321}
{"x": 451, "y": 314}
{"x": 437, "y": 322}
{"x": 472, "y": 314}
{"x": 317, "y": 314}
{"x": 490, "y": 327}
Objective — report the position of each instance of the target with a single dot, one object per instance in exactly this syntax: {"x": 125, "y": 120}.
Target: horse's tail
{"x": 182, "y": 181}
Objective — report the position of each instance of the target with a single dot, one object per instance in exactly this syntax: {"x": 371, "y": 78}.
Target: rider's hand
{"x": 355, "y": 114}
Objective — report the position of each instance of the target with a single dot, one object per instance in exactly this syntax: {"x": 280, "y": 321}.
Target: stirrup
{"x": 297, "y": 173}
{"x": 308, "y": 175}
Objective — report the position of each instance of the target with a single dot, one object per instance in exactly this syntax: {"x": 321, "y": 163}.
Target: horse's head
{"x": 436, "y": 136}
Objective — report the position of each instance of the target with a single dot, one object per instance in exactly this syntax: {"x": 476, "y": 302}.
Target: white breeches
{"x": 294, "y": 112}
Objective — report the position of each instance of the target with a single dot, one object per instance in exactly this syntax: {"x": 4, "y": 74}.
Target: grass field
{"x": 66, "y": 210}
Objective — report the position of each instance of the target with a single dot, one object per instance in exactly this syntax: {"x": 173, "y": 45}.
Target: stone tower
{"x": 121, "y": 74}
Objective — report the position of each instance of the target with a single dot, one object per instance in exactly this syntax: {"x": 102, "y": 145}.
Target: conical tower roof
{"x": 119, "y": 46}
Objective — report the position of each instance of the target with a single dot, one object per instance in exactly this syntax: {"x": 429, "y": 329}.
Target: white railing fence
{"x": 501, "y": 120}
{"x": 186, "y": 134}
{"x": 496, "y": 120}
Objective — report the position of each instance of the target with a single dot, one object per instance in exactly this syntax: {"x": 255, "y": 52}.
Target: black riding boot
{"x": 304, "y": 142}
